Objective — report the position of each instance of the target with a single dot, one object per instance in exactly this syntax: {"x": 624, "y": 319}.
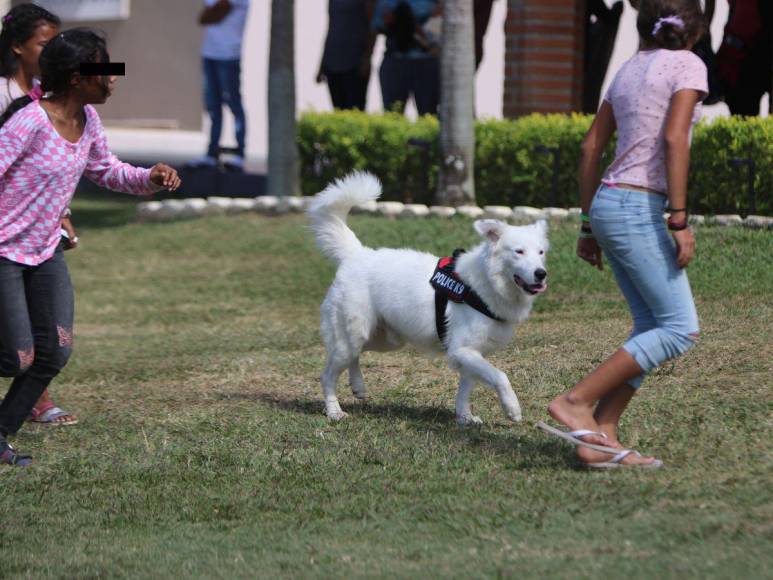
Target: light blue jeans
{"x": 629, "y": 227}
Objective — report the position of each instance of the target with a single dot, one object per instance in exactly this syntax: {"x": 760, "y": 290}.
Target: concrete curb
{"x": 191, "y": 208}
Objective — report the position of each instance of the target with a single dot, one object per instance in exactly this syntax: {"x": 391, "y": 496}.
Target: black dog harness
{"x": 448, "y": 286}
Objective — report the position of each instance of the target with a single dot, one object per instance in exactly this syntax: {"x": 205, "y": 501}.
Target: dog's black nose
{"x": 540, "y": 274}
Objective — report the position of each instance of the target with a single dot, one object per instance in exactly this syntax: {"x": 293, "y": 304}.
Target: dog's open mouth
{"x": 532, "y": 289}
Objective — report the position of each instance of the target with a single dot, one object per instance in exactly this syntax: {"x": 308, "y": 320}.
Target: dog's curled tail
{"x": 330, "y": 207}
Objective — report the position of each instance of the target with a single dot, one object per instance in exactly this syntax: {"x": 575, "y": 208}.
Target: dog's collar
{"x": 448, "y": 286}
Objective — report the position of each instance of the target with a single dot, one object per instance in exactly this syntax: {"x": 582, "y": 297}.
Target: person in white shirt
{"x": 221, "y": 54}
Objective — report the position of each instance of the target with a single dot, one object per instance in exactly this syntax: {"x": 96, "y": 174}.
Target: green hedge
{"x": 509, "y": 170}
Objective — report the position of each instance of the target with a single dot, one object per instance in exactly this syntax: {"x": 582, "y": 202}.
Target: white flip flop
{"x": 574, "y": 437}
{"x": 616, "y": 462}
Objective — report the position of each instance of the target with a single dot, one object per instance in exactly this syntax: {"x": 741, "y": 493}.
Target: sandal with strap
{"x": 9, "y": 456}
{"x": 48, "y": 413}
{"x": 574, "y": 437}
{"x": 616, "y": 462}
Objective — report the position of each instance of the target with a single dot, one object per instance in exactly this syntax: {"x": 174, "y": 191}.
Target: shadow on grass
{"x": 91, "y": 212}
{"x": 531, "y": 451}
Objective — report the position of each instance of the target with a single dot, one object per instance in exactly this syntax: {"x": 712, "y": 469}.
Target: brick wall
{"x": 543, "y": 56}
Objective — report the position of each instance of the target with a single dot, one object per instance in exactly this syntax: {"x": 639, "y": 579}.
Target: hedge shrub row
{"x": 511, "y": 165}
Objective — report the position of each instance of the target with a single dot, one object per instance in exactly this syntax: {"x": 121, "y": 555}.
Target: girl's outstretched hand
{"x": 590, "y": 251}
{"x": 685, "y": 246}
{"x": 162, "y": 174}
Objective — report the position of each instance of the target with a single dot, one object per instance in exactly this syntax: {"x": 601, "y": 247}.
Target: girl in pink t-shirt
{"x": 653, "y": 102}
{"x": 46, "y": 145}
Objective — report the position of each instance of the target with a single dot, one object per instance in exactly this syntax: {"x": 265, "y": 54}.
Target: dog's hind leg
{"x": 464, "y": 414}
{"x": 356, "y": 382}
{"x": 471, "y": 363}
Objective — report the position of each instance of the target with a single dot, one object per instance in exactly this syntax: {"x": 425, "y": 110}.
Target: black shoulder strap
{"x": 441, "y": 322}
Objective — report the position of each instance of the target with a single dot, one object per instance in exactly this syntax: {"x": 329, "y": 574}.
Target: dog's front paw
{"x": 514, "y": 414}
{"x": 360, "y": 394}
{"x": 469, "y": 420}
{"x": 337, "y": 415}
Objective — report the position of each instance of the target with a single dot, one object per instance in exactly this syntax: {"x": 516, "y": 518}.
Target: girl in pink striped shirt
{"x": 46, "y": 145}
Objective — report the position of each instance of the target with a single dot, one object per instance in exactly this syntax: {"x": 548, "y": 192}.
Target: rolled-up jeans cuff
{"x": 636, "y": 382}
{"x": 633, "y": 348}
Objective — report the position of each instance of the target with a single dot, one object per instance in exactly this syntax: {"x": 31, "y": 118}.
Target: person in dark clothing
{"x": 601, "y": 25}
{"x": 745, "y": 59}
{"x": 348, "y": 48}
{"x": 409, "y": 67}
{"x": 481, "y": 10}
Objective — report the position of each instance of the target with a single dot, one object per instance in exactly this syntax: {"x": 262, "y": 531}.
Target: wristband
{"x": 585, "y": 234}
{"x": 584, "y": 217}
{"x": 677, "y": 226}
{"x": 66, "y": 213}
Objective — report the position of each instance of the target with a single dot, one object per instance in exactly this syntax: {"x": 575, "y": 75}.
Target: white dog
{"x": 382, "y": 298}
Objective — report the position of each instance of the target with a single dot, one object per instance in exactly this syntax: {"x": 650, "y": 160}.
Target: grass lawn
{"x": 203, "y": 450}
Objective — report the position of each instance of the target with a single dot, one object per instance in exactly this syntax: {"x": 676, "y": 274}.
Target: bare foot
{"x": 576, "y": 415}
{"x": 590, "y": 456}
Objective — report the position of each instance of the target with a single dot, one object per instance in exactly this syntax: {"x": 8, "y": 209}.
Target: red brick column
{"x": 543, "y": 56}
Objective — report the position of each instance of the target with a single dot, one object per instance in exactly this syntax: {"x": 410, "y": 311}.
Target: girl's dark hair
{"x": 669, "y": 35}
{"x": 19, "y": 26}
{"x": 60, "y": 60}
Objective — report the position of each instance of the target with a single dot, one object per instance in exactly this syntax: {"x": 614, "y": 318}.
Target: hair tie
{"x": 674, "y": 20}
{"x": 36, "y": 93}
{"x": 7, "y": 17}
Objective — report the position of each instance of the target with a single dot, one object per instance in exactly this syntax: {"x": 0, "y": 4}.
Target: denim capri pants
{"x": 629, "y": 227}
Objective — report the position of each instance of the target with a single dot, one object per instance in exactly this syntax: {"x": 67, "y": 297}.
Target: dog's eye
{"x": 520, "y": 252}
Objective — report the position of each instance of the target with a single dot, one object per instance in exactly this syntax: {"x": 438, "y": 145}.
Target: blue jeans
{"x": 629, "y": 227}
{"x": 222, "y": 87}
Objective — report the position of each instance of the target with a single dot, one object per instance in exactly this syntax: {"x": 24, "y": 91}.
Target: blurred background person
{"x": 221, "y": 54}
{"x": 348, "y": 48}
{"x": 745, "y": 59}
{"x": 601, "y": 24}
{"x": 410, "y": 65}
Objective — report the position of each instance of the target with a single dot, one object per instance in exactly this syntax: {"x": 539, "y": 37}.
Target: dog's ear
{"x": 490, "y": 229}
{"x": 542, "y": 227}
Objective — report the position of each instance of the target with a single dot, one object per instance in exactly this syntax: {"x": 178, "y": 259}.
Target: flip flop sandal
{"x": 616, "y": 462}
{"x": 49, "y": 415}
{"x": 9, "y": 456}
{"x": 574, "y": 437}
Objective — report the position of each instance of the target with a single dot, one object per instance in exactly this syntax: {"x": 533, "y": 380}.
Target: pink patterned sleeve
{"x": 105, "y": 169}
{"x": 15, "y": 136}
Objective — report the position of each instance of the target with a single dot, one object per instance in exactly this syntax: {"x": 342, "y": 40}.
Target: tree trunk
{"x": 282, "y": 146}
{"x": 456, "y": 185}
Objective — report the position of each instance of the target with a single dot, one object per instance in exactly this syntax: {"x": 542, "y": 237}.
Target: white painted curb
{"x": 179, "y": 209}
